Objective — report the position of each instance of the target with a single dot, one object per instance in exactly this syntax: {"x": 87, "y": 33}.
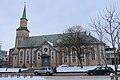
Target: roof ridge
{"x": 44, "y": 35}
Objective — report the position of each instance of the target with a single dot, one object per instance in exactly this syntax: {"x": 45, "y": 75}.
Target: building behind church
{"x": 36, "y": 51}
{"x": 3, "y": 58}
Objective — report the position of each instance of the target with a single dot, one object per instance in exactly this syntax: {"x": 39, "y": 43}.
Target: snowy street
{"x": 8, "y": 75}
{"x": 77, "y": 78}
{"x": 57, "y": 78}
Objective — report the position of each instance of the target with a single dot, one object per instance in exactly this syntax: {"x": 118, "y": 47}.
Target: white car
{"x": 44, "y": 70}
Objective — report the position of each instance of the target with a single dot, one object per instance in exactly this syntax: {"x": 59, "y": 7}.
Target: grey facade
{"x": 3, "y": 58}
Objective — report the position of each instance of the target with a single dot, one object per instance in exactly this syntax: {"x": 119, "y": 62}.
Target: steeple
{"x": 22, "y": 31}
{"x": 23, "y": 19}
{"x": 24, "y": 12}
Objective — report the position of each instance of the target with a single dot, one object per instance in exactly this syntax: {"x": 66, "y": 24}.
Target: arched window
{"x": 15, "y": 57}
{"x": 74, "y": 55}
{"x": 28, "y": 57}
{"x": 66, "y": 55}
{"x": 21, "y": 57}
{"x": 38, "y": 55}
{"x": 92, "y": 53}
{"x": 82, "y": 54}
{"x": 53, "y": 52}
{"x": 34, "y": 56}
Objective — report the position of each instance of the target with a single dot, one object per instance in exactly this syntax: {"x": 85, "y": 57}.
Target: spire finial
{"x": 24, "y": 3}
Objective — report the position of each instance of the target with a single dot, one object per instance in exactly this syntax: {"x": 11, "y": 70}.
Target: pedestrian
{"x": 112, "y": 76}
{"x": 19, "y": 70}
{"x": 55, "y": 70}
{"x": 6, "y": 69}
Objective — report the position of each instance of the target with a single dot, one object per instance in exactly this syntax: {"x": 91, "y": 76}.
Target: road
{"x": 77, "y": 77}
{"x": 62, "y": 76}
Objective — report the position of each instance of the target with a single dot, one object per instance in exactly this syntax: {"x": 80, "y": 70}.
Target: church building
{"x": 37, "y": 51}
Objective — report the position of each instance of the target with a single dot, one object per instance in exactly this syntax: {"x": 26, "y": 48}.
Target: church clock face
{"x": 45, "y": 49}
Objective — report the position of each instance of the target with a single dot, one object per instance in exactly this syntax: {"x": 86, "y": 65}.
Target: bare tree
{"x": 75, "y": 37}
{"x": 98, "y": 28}
{"x": 110, "y": 25}
{"x": 118, "y": 48}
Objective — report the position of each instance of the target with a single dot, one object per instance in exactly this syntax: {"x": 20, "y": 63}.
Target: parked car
{"x": 44, "y": 70}
{"x": 100, "y": 71}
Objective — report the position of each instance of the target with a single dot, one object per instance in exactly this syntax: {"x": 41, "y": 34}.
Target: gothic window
{"x": 92, "y": 53}
{"x": 82, "y": 54}
{"x": 15, "y": 57}
{"x": 66, "y": 55}
{"x": 21, "y": 57}
{"x": 52, "y": 54}
{"x": 27, "y": 57}
{"x": 73, "y": 55}
{"x": 34, "y": 56}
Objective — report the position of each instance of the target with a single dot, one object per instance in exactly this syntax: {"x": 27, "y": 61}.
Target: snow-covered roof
{"x": 50, "y": 43}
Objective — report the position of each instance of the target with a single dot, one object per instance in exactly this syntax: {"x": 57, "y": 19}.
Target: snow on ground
{"x": 113, "y": 66}
{"x": 62, "y": 68}
{"x": 11, "y": 69}
{"x": 65, "y": 68}
{"x": 74, "y": 68}
{"x": 23, "y": 78}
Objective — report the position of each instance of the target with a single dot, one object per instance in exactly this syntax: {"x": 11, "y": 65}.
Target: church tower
{"x": 22, "y": 32}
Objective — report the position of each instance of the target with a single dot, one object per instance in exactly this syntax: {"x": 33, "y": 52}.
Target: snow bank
{"x": 113, "y": 66}
{"x": 65, "y": 68}
{"x": 74, "y": 68}
{"x": 11, "y": 69}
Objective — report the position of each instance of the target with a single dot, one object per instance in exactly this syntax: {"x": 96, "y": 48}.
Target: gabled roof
{"x": 92, "y": 39}
{"x": 36, "y": 41}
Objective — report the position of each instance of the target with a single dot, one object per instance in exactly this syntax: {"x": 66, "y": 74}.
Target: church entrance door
{"x": 45, "y": 60}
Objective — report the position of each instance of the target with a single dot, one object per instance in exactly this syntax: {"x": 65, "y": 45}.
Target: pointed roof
{"x": 24, "y": 12}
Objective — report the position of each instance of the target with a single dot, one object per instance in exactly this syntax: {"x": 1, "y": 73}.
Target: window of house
{"x": 92, "y": 53}
{"x": 73, "y": 55}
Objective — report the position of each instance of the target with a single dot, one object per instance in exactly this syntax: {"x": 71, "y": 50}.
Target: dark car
{"x": 100, "y": 71}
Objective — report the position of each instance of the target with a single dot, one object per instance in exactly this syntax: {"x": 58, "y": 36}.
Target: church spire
{"x": 24, "y": 12}
{"x": 23, "y": 20}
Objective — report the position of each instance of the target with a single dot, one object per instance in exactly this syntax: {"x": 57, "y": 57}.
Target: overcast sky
{"x": 47, "y": 16}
